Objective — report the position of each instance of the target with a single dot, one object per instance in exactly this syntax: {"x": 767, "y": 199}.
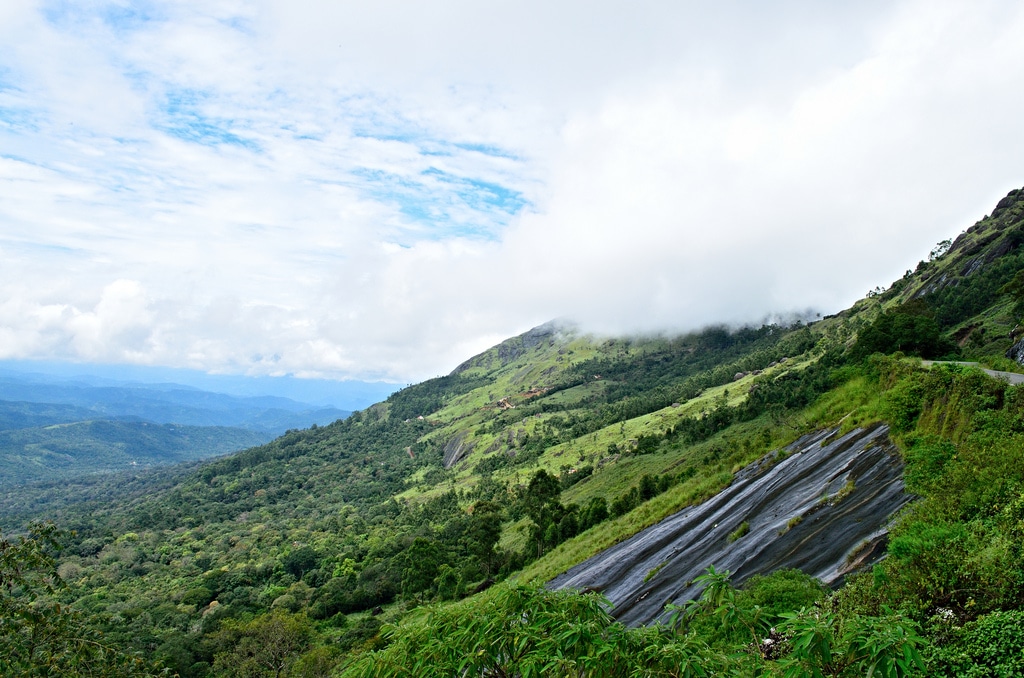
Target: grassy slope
{"x": 856, "y": 402}
{"x": 325, "y": 487}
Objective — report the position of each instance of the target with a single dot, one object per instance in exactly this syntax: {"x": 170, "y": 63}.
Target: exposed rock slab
{"x": 823, "y": 509}
{"x": 1016, "y": 352}
{"x": 456, "y": 449}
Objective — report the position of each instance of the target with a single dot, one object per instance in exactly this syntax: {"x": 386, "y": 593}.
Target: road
{"x": 1011, "y": 378}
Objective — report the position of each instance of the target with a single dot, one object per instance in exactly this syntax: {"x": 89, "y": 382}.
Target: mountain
{"x": 57, "y": 428}
{"x": 163, "y": 403}
{"x": 61, "y": 451}
{"x": 741, "y": 448}
{"x": 344, "y": 395}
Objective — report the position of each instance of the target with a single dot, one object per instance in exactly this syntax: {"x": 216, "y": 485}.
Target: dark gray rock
{"x": 822, "y": 508}
{"x": 1006, "y": 202}
{"x": 1016, "y": 352}
{"x": 456, "y": 449}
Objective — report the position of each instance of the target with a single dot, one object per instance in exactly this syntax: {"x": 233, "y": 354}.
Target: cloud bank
{"x": 335, "y": 190}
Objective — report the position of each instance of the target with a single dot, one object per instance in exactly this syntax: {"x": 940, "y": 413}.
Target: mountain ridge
{"x": 542, "y": 451}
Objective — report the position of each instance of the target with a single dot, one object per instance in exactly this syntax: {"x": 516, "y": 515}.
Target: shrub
{"x": 992, "y": 645}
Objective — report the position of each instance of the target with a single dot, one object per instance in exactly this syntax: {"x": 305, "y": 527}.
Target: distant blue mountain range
{"x": 60, "y": 423}
{"x": 343, "y": 395}
{"x": 38, "y": 399}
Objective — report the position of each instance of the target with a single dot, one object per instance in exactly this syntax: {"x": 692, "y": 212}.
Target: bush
{"x": 781, "y": 591}
{"x": 199, "y": 596}
{"x": 926, "y": 459}
{"x": 911, "y": 328}
{"x": 990, "y": 646}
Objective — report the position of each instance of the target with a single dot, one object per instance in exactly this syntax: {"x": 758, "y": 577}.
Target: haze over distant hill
{"x": 345, "y": 395}
{"x": 621, "y": 465}
{"x": 163, "y": 403}
{"x": 55, "y": 426}
{"x": 79, "y": 448}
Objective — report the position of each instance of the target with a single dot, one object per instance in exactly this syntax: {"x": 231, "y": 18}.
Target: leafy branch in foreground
{"x": 886, "y": 646}
{"x": 38, "y": 635}
{"x": 526, "y": 631}
{"x": 529, "y": 631}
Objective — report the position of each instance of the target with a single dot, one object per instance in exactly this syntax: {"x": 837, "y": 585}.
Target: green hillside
{"x": 72, "y": 449}
{"x": 286, "y": 559}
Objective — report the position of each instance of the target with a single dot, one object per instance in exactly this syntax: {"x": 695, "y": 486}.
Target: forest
{"x": 415, "y": 537}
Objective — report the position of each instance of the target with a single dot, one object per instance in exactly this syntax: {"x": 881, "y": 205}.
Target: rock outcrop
{"x": 1016, "y": 352}
{"x": 456, "y": 449}
{"x": 822, "y": 508}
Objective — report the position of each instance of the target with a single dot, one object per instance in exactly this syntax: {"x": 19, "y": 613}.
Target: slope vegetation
{"x": 553, "y": 446}
{"x": 72, "y": 449}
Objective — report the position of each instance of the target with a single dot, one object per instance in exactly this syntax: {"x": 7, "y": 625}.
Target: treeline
{"x": 947, "y": 601}
{"x": 431, "y": 395}
{"x": 627, "y": 397}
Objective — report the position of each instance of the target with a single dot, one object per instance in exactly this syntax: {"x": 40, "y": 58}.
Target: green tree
{"x": 421, "y": 563}
{"x": 1015, "y": 288}
{"x": 543, "y": 490}
{"x": 542, "y": 504}
{"x": 300, "y": 561}
{"x": 596, "y": 512}
{"x": 911, "y": 328}
{"x": 265, "y": 646}
{"x": 38, "y": 635}
{"x": 483, "y": 534}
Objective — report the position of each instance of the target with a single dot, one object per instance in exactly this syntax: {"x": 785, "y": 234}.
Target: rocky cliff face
{"x": 821, "y": 506}
{"x": 456, "y": 448}
{"x": 1016, "y": 352}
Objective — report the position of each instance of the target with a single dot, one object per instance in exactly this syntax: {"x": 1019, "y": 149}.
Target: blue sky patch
{"x": 119, "y": 17}
{"x": 428, "y": 145}
{"x": 443, "y": 205}
{"x": 372, "y": 124}
{"x": 487, "y": 149}
{"x": 17, "y": 119}
{"x": 480, "y": 195}
{"x": 13, "y": 113}
{"x": 183, "y": 118}
{"x": 239, "y": 24}
{"x": 132, "y": 17}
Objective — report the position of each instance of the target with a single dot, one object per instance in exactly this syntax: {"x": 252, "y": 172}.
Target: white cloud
{"x": 381, "y": 190}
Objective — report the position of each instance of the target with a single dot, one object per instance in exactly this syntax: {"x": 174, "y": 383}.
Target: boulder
{"x": 1016, "y": 352}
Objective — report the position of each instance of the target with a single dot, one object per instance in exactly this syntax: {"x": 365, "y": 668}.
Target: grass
{"x": 653, "y": 572}
{"x": 1001, "y": 363}
{"x": 515, "y": 535}
{"x": 854, "y": 403}
{"x": 790, "y": 524}
{"x": 540, "y": 367}
{"x": 844, "y": 492}
{"x": 739, "y": 532}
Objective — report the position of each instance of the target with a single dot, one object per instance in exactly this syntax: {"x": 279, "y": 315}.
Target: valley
{"x": 55, "y": 428}
{"x": 707, "y": 491}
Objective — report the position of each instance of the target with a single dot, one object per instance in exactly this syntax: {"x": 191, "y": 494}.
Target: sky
{"x": 378, "y": 191}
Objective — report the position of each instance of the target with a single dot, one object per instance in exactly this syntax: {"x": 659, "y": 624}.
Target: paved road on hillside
{"x": 1012, "y": 378}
